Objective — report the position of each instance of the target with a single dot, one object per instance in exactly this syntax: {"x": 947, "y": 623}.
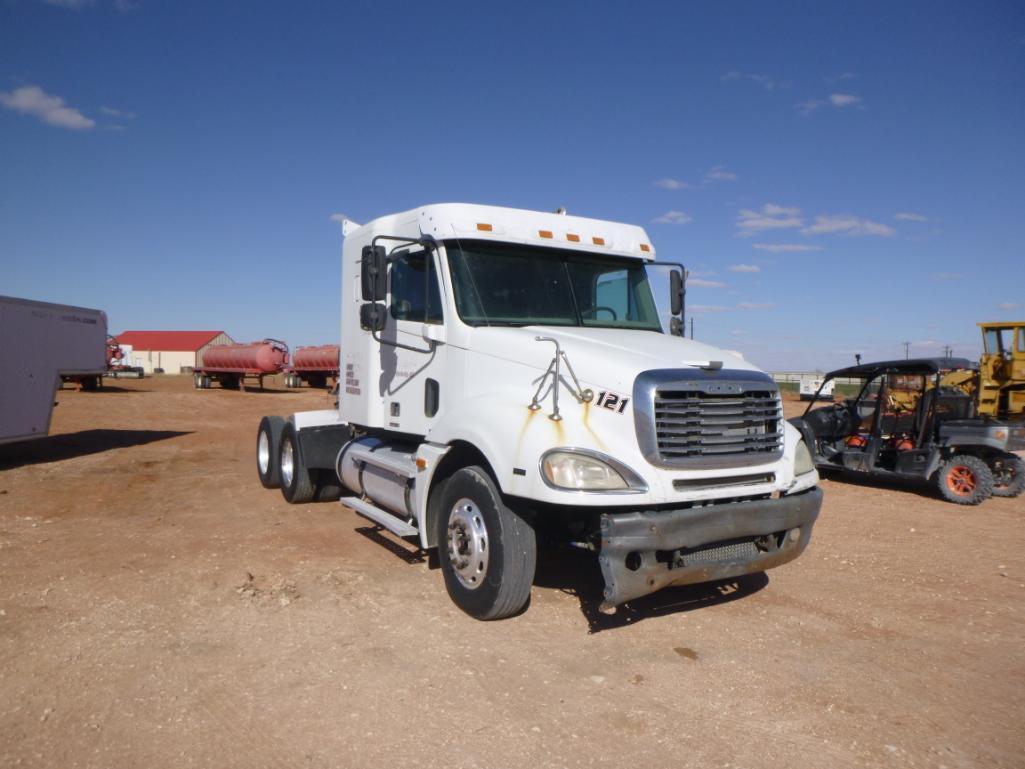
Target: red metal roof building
{"x": 173, "y": 351}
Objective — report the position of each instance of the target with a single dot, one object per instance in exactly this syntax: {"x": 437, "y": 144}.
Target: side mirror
{"x": 676, "y": 292}
{"x": 372, "y": 316}
{"x": 374, "y": 274}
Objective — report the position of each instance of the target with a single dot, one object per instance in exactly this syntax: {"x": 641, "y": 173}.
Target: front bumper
{"x": 644, "y": 551}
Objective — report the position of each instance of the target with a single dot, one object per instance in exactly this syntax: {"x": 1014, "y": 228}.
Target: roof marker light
{"x": 572, "y": 238}
{"x": 545, "y": 233}
{"x": 484, "y": 227}
{"x": 598, "y": 241}
{"x": 645, "y": 247}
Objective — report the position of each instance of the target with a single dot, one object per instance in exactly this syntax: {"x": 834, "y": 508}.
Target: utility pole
{"x": 907, "y": 347}
{"x": 947, "y": 351}
{"x": 691, "y": 326}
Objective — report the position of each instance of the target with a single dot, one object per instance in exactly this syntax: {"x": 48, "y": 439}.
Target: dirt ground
{"x": 159, "y": 608}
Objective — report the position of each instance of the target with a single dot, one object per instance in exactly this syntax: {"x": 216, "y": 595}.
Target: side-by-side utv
{"x": 907, "y": 421}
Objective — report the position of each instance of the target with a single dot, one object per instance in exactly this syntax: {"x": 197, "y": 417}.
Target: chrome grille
{"x": 692, "y": 425}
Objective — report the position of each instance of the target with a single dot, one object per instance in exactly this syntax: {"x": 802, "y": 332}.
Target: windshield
{"x": 499, "y": 284}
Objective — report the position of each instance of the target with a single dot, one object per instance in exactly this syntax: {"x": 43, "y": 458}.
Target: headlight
{"x": 802, "y": 459}
{"x": 581, "y": 470}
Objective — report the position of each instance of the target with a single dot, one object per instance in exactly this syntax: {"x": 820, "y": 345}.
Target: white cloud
{"x": 32, "y": 100}
{"x": 783, "y": 248}
{"x": 119, "y": 113}
{"x": 672, "y": 184}
{"x": 756, "y": 305}
{"x": 765, "y": 81}
{"x": 673, "y": 217}
{"x": 843, "y": 99}
{"x": 838, "y": 100}
{"x": 745, "y": 268}
{"x": 1008, "y": 305}
{"x": 700, "y": 309}
{"x": 946, "y": 276}
{"x": 720, "y": 174}
{"x": 845, "y": 224}
{"x": 702, "y": 283}
{"x": 769, "y": 217}
{"x": 906, "y": 216}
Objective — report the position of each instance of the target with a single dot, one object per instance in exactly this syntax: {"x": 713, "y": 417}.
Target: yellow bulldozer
{"x": 998, "y": 387}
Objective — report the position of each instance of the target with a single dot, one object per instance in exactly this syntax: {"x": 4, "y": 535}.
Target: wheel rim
{"x": 468, "y": 543}
{"x": 961, "y": 480}
{"x": 263, "y": 452}
{"x": 287, "y": 463}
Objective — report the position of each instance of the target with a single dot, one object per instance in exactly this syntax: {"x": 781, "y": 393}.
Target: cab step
{"x": 381, "y": 517}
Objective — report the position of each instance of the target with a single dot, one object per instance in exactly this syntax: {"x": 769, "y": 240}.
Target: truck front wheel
{"x": 1008, "y": 475}
{"x": 487, "y": 551}
{"x": 297, "y": 484}
{"x": 964, "y": 480}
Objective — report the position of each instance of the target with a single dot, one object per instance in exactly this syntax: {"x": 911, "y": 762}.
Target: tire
{"x": 1008, "y": 475}
{"x": 328, "y": 487}
{"x": 297, "y": 482}
{"x": 268, "y": 450}
{"x": 487, "y": 551}
{"x": 964, "y": 480}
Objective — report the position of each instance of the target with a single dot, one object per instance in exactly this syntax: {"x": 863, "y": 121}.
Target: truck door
{"x": 410, "y": 368}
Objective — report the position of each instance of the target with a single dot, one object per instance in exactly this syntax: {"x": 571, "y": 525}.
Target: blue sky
{"x": 838, "y": 177}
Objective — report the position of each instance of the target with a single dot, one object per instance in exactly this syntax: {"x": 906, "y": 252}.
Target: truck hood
{"x": 604, "y": 357}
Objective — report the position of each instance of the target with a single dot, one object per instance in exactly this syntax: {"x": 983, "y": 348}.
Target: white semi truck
{"x": 41, "y": 344}
{"x": 505, "y": 374}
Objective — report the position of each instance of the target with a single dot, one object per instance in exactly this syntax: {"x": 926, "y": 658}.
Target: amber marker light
{"x": 645, "y": 248}
{"x": 572, "y": 238}
{"x": 598, "y": 241}
{"x": 545, "y": 234}
{"x": 484, "y": 227}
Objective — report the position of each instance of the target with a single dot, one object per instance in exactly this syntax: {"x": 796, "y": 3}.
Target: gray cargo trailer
{"x": 39, "y": 344}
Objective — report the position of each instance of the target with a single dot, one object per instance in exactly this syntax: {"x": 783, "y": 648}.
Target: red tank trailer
{"x": 230, "y": 364}
{"x": 313, "y": 365}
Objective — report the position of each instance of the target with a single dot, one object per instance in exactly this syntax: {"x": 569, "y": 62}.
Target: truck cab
{"x": 508, "y": 372}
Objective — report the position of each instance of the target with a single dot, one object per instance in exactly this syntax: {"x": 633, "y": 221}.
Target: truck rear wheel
{"x": 964, "y": 480}
{"x": 487, "y": 551}
{"x": 1008, "y": 475}
{"x": 297, "y": 484}
{"x": 268, "y": 449}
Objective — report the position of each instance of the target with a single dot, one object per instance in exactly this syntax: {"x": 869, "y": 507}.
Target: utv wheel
{"x": 487, "y": 551}
{"x": 297, "y": 484}
{"x": 1008, "y": 475}
{"x": 964, "y": 480}
{"x": 268, "y": 450}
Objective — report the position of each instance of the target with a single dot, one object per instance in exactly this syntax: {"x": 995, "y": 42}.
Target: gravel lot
{"x": 159, "y": 608}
